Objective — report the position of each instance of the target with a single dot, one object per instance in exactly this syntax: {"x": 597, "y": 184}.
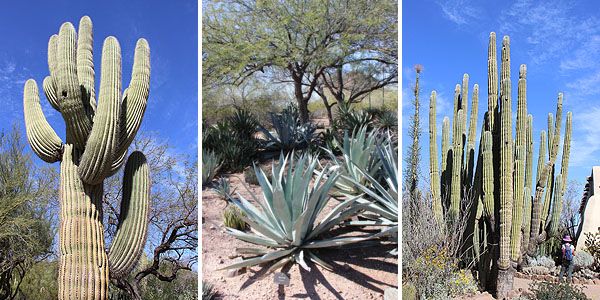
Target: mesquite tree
{"x": 97, "y": 139}
{"x": 505, "y": 224}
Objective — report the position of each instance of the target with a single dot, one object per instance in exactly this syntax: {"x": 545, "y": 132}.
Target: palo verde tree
{"x": 26, "y": 224}
{"x": 298, "y": 39}
{"x": 97, "y": 140}
{"x": 510, "y": 218}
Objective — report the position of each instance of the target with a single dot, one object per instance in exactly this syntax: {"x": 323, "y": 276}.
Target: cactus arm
{"x": 433, "y": 160}
{"x": 444, "y": 182}
{"x": 50, "y": 92}
{"x": 463, "y": 99}
{"x": 506, "y": 158}
{"x": 457, "y": 148}
{"x": 85, "y": 64}
{"x": 134, "y": 102}
{"x": 517, "y": 220}
{"x": 470, "y": 156}
{"x": 556, "y": 208}
{"x": 492, "y": 82}
{"x": 78, "y": 125}
{"x": 488, "y": 178}
{"x": 43, "y": 139}
{"x": 126, "y": 248}
{"x": 101, "y": 145}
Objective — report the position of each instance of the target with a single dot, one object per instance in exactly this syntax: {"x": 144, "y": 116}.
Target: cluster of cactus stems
{"x": 507, "y": 219}
{"x": 97, "y": 138}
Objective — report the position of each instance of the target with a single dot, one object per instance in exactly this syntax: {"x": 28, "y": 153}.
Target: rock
{"x": 236, "y": 272}
{"x": 589, "y": 281}
{"x": 596, "y": 281}
{"x": 510, "y": 294}
{"x": 548, "y": 278}
{"x": 390, "y": 294}
{"x": 233, "y": 255}
{"x": 575, "y": 280}
{"x": 212, "y": 227}
{"x": 345, "y": 267}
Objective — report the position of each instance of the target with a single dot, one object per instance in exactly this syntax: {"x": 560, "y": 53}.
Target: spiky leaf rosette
{"x": 286, "y": 218}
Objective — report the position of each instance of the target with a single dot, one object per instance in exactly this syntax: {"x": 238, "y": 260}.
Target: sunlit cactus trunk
{"x": 98, "y": 135}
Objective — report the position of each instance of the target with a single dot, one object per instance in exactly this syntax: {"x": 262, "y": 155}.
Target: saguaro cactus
{"x": 97, "y": 139}
{"x": 500, "y": 193}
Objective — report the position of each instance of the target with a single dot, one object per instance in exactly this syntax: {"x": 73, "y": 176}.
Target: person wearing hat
{"x": 568, "y": 251}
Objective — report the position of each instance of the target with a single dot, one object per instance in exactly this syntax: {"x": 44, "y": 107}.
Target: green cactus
{"x": 97, "y": 139}
{"x": 433, "y": 160}
{"x": 506, "y": 222}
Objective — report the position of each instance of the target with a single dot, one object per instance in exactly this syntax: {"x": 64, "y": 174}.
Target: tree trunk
{"x": 83, "y": 272}
{"x": 303, "y": 108}
{"x": 505, "y": 282}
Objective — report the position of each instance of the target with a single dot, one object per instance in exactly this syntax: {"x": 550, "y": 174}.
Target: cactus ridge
{"x": 97, "y": 137}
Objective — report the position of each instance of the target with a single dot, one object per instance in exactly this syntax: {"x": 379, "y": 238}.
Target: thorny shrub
{"x": 592, "y": 245}
{"x": 546, "y": 290}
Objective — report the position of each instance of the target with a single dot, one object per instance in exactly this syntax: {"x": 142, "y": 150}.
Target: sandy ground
{"x": 592, "y": 291}
{"x": 360, "y": 273}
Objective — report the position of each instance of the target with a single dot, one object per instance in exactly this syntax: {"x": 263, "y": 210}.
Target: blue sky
{"x": 559, "y": 41}
{"x": 171, "y": 29}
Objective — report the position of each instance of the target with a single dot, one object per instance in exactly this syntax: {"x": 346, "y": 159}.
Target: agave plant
{"x": 358, "y": 152}
{"x": 289, "y": 133}
{"x": 388, "y": 120}
{"x": 210, "y": 166}
{"x": 231, "y": 218}
{"x": 382, "y": 196}
{"x": 235, "y": 150}
{"x": 222, "y": 188}
{"x": 287, "y": 220}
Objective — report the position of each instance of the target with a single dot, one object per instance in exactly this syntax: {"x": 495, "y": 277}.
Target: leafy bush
{"x": 543, "y": 261}
{"x": 223, "y": 188}
{"x": 290, "y": 134}
{"x": 436, "y": 276}
{"x": 582, "y": 260}
{"x": 208, "y": 292}
{"x": 545, "y": 290}
{"x": 236, "y": 149}
{"x": 592, "y": 245}
{"x": 232, "y": 219}
{"x": 210, "y": 166}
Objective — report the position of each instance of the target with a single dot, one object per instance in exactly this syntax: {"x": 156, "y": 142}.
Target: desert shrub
{"x": 250, "y": 175}
{"x": 592, "y": 245}
{"x": 545, "y": 290}
{"x": 436, "y": 276}
{"x": 409, "y": 291}
{"x": 208, "y": 291}
{"x": 232, "y": 219}
{"x": 236, "y": 149}
{"x": 543, "y": 261}
{"x": 582, "y": 260}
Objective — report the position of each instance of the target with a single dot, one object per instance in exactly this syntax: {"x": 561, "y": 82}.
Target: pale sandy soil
{"x": 360, "y": 273}
{"x": 521, "y": 284}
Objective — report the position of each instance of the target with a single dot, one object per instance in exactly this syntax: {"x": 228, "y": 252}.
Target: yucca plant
{"x": 288, "y": 221}
{"x": 210, "y": 166}
{"x": 223, "y": 188}
{"x": 388, "y": 120}
{"x": 208, "y": 291}
{"x": 358, "y": 152}
{"x": 382, "y": 195}
{"x": 289, "y": 133}
{"x": 235, "y": 150}
{"x": 232, "y": 219}
{"x": 348, "y": 119}
{"x": 244, "y": 123}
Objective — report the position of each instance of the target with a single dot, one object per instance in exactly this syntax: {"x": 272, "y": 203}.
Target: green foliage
{"x": 208, "y": 291}
{"x": 592, "y": 245}
{"x": 435, "y": 276}
{"x": 210, "y": 166}
{"x": 409, "y": 291}
{"x": 27, "y": 197}
{"x": 235, "y": 149}
{"x": 290, "y": 133}
{"x": 243, "y": 123}
{"x": 546, "y": 290}
{"x": 40, "y": 282}
{"x": 388, "y": 120}
{"x": 349, "y": 119}
{"x": 223, "y": 188}
{"x": 231, "y": 218}
{"x": 251, "y": 175}
{"x": 289, "y": 221}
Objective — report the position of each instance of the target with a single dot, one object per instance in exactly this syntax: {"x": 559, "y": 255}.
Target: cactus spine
{"x": 502, "y": 179}
{"x": 97, "y": 138}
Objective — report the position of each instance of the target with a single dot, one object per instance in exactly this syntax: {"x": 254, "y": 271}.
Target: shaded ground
{"x": 360, "y": 273}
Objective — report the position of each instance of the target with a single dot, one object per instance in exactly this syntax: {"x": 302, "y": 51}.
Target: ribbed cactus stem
{"x": 492, "y": 82}
{"x": 488, "y": 177}
{"x": 541, "y": 156}
{"x": 517, "y": 220}
{"x": 550, "y": 133}
{"x": 556, "y": 207}
{"x": 529, "y": 154}
{"x": 126, "y": 248}
{"x": 564, "y": 165}
{"x": 457, "y": 147}
{"x": 445, "y": 170}
{"x": 526, "y": 223}
{"x": 83, "y": 273}
{"x": 463, "y": 99}
{"x": 433, "y": 160}
{"x": 470, "y": 155}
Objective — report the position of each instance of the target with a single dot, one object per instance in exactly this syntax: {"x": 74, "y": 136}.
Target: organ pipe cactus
{"x": 98, "y": 135}
{"x": 517, "y": 218}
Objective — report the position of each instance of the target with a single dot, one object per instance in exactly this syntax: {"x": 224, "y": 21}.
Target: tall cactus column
{"x": 97, "y": 138}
